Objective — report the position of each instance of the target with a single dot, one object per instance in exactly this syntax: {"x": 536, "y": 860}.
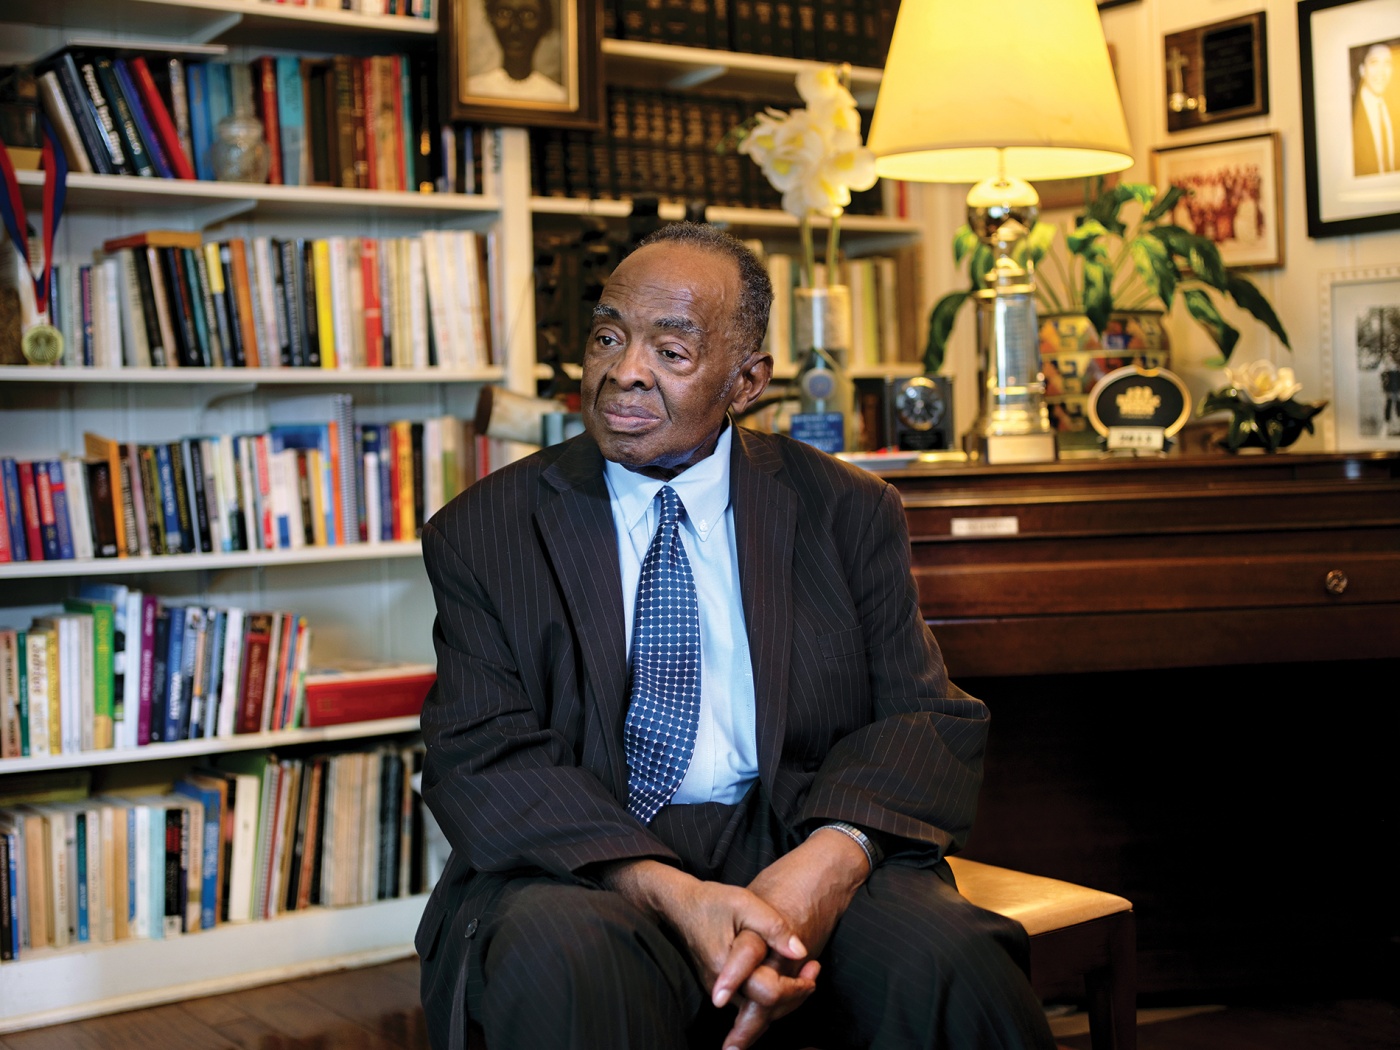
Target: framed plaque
{"x": 1216, "y": 72}
{"x": 1139, "y": 408}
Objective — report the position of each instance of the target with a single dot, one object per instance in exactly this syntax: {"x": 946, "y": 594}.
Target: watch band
{"x": 860, "y": 838}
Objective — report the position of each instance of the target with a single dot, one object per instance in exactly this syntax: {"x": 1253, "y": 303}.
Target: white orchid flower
{"x": 848, "y": 162}
{"x": 1260, "y": 383}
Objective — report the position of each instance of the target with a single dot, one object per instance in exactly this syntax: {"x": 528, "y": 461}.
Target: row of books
{"x": 856, "y": 31}
{"x": 293, "y": 486}
{"x": 359, "y": 122}
{"x": 168, "y": 298}
{"x": 248, "y": 839}
{"x": 666, "y": 145}
{"x": 118, "y": 668}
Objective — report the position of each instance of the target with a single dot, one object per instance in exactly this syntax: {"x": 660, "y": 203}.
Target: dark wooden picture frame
{"x": 557, "y": 43}
{"x": 1345, "y": 192}
{"x": 1238, "y": 195}
{"x": 1217, "y": 72}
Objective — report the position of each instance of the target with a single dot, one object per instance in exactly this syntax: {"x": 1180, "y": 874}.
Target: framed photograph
{"x": 1361, "y": 357}
{"x": 1348, "y": 52}
{"x": 523, "y": 62}
{"x": 1231, "y": 194}
{"x": 1216, "y": 72}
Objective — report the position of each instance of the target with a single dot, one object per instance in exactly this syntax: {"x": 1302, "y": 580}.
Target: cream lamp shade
{"x": 976, "y": 88}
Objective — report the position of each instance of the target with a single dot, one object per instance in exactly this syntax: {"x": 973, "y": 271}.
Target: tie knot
{"x": 672, "y": 509}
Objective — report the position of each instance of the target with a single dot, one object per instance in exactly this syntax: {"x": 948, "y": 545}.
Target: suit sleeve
{"x": 912, "y": 773}
{"x": 504, "y": 783}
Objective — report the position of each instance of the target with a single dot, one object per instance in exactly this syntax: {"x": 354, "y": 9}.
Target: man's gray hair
{"x": 750, "y": 322}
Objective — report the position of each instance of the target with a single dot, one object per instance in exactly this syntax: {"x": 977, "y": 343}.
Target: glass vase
{"x": 239, "y": 152}
{"x": 821, "y": 332}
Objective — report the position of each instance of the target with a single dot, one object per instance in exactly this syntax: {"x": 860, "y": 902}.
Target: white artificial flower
{"x": 1260, "y": 383}
{"x": 848, "y": 162}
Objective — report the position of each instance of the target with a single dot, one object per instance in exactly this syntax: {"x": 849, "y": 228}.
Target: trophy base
{"x": 1017, "y": 448}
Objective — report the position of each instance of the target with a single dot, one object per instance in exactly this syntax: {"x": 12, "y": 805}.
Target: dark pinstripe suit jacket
{"x": 525, "y": 766}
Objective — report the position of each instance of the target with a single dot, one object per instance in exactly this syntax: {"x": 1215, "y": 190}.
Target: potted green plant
{"x": 1111, "y": 265}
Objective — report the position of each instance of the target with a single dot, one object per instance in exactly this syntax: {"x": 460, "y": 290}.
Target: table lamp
{"x": 997, "y": 93}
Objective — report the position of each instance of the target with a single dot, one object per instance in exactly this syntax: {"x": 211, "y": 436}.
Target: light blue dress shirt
{"x": 725, "y": 763}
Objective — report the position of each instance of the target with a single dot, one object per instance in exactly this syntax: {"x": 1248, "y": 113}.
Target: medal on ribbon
{"x": 40, "y": 341}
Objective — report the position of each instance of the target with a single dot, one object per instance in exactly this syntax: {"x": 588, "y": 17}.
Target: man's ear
{"x": 754, "y": 376}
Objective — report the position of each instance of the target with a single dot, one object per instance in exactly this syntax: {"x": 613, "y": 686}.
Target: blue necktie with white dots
{"x": 664, "y": 712}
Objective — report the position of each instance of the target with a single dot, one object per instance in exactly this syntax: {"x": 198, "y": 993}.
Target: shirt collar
{"x": 703, "y": 488}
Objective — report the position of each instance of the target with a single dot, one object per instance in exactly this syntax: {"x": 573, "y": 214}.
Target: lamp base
{"x": 1016, "y": 448}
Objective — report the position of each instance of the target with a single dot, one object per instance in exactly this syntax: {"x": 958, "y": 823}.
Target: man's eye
{"x": 604, "y": 339}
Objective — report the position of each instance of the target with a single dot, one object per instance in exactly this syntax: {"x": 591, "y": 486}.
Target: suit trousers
{"x": 559, "y": 964}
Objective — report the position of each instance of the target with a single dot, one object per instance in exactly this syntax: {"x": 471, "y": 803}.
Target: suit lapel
{"x": 765, "y": 523}
{"x": 575, "y": 520}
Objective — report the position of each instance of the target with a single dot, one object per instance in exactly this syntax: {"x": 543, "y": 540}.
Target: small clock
{"x": 919, "y": 413}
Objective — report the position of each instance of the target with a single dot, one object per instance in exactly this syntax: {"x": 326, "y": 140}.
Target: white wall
{"x": 1136, "y": 30}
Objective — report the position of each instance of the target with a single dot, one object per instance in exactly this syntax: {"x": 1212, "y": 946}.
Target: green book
{"x": 103, "y": 672}
{"x": 22, "y": 662}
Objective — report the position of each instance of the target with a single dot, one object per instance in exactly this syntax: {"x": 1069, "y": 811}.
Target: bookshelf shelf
{"x": 226, "y": 200}
{"x": 198, "y": 21}
{"x": 64, "y": 984}
{"x": 22, "y": 570}
{"x": 248, "y": 376}
{"x": 212, "y": 746}
{"x": 860, "y": 233}
{"x": 676, "y": 68}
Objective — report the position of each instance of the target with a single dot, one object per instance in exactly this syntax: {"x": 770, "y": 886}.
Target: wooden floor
{"x": 377, "y": 1009}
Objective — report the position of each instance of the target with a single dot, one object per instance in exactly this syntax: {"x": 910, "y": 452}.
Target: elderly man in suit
{"x": 741, "y": 845}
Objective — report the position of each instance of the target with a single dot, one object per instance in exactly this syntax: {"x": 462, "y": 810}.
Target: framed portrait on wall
{"x": 1231, "y": 194}
{"x": 1361, "y": 357}
{"x": 1349, "y": 51}
{"x": 523, "y": 62}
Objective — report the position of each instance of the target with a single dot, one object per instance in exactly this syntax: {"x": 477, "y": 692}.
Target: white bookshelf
{"x": 268, "y": 377}
{"x": 164, "y": 563}
{"x": 65, "y": 984}
{"x": 370, "y": 602}
{"x": 220, "y": 745}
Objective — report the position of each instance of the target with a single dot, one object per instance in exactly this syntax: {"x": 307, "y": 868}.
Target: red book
{"x": 373, "y": 308}
{"x": 257, "y": 638}
{"x": 40, "y": 527}
{"x": 265, "y": 98}
{"x": 366, "y": 694}
{"x": 160, "y": 118}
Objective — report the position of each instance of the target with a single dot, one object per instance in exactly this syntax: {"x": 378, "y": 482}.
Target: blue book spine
{"x": 189, "y": 659}
{"x": 14, "y": 513}
{"x": 143, "y": 121}
{"x": 291, "y": 118}
{"x": 157, "y": 873}
{"x": 174, "y": 542}
{"x": 60, "y": 508}
{"x": 201, "y": 322}
{"x": 84, "y": 926}
{"x": 201, "y": 130}
{"x": 174, "y": 673}
{"x": 215, "y": 672}
{"x": 209, "y": 844}
{"x": 386, "y": 487}
{"x": 131, "y": 848}
{"x": 219, "y": 85}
